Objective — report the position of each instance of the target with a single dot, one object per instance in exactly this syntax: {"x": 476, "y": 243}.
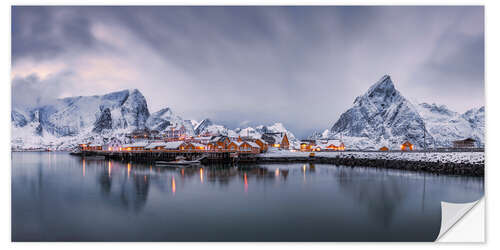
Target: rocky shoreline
{"x": 450, "y": 168}
{"x": 456, "y": 166}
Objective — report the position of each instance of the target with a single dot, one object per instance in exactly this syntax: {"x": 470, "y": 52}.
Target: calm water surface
{"x": 59, "y": 197}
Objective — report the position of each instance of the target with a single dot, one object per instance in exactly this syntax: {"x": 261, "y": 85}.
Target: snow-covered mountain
{"x": 73, "y": 118}
{"x": 66, "y": 122}
{"x": 447, "y": 126}
{"x": 202, "y": 126}
{"x": 384, "y": 117}
{"x": 165, "y": 118}
{"x": 475, "y": 117}
{"x": 258, "y": 131}
{"x": 207, "y": 126}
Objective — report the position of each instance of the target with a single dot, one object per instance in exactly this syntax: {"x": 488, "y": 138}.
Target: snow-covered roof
{"x": 155, "y": 144}
{"x": 238, "y": 143}
{"x": 136, "y": 144}
{"x": 173, "y": 144}
{"x": 94, "y": 145}
{"x": 329, "y": 142}
{"x": 253, "y": 144}
{"x": 198, "y": 144}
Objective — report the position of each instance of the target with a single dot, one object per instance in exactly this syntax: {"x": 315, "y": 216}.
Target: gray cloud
{"x": 249, "y": 65}
{"x": 32, "y": 91}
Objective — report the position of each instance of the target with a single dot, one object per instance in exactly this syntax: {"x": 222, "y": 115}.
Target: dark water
{"x": 58, "y": 197}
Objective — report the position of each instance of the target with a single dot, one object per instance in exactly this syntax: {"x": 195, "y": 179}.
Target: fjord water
{"x": 59, "y": 197}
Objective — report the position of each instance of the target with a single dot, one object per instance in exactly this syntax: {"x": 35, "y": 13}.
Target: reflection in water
{"x": 128, "y": 170}
{"x": 380, "y": 197}
{"x": 246, "y": 181}
{"x": 127, "y": 201}
{"x": 109, "y": 168}
{"x": 173, "y": 185}
{"x": 201, "y": 174}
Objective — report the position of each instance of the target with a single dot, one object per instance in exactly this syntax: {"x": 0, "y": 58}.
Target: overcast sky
{"x": 241, "y": 66}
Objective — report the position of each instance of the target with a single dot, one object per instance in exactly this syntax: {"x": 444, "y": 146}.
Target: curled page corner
{"x": 451, "y": 213}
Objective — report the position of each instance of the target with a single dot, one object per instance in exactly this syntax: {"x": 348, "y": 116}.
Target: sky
{"x": 245, "y": 66}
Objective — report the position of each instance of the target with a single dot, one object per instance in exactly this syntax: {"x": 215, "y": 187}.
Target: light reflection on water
{"x": 58, "y": 197}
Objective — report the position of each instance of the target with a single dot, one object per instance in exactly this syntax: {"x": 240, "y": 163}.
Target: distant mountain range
{"x": 384, "y": 117}
{"x": 66, "y": 122}
{"x": 380, "y": 117}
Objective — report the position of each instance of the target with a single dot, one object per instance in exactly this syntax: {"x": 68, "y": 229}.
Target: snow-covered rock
{"x": 381, "y": 116}
{"x": 447, "y": 126}
{"x": 384, "y": 117}
{"x": 73, "y": 119}
{"x": 453, "y": 157}
{"x": 166, "y": 118}
{"x": 475, "y": 117}
{"x": 202, "y": 126}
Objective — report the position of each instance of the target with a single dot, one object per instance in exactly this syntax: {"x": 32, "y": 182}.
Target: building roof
{"x": 173, "y": 144}
{"x": 136, "y": 144}
{"x": 155, "y": 144}
{"x": 253, "y": 144}
{"x": 329, "y": 142}
{"x": 198, "y": 144}
{"x": 204, "y": 137}
{"x": 466, "y": 140}
{"x": 238, "y": 143}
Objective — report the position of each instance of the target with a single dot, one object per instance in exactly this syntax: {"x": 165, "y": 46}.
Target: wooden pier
{"x": 152, "y": 156}
{"x": 228, "y": 157}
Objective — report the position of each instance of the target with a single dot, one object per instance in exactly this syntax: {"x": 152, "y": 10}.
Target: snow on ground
{"x": 456, "y": 157}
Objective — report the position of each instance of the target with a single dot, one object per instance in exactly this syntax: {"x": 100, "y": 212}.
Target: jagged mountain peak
{"x": 384, "y": 85}
{"x": 380, "y": 95}
{"x": 382, "y": 115}
{"x": 70, "y": 118}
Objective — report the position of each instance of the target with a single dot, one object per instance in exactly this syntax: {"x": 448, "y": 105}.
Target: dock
{"x": 206, "y": 157}
{"x": 233, "y": 157}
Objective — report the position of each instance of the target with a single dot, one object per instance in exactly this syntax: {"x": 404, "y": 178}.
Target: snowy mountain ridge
{"x": 66, "y": 122}
{"x": 384, "y": 117}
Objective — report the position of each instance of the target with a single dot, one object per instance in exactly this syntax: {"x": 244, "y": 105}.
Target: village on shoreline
{"x": 176, "y": 139}
{"x": 150, "y": 146}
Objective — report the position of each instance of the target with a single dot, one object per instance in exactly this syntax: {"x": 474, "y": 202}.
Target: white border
{"x": 492, "y": 27}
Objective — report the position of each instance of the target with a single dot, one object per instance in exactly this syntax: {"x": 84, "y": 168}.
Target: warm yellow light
{"x": 246, "y": 181}
{"x": 128, "y": 170}
{"x": 173, "y": 185}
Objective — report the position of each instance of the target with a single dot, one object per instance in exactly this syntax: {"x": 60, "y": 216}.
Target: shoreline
{"x": 456, "y": 163}
{"x": 447, "y": 168}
